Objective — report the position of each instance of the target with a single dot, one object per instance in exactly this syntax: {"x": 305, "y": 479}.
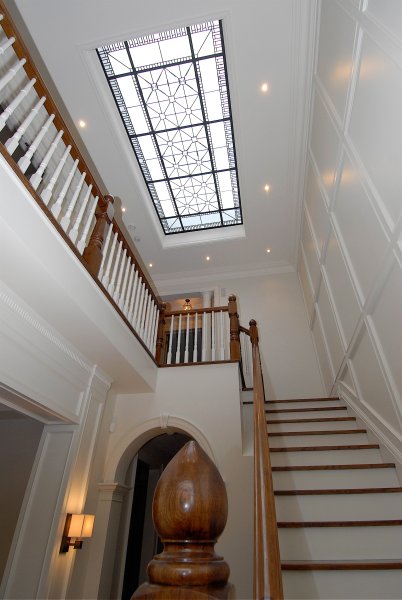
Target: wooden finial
{"x": 189, "y": 511}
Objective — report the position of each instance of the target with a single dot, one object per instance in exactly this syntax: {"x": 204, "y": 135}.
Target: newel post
{"x": 234, "y": 329}
{"x": 160, "y": 334}
{"x": 189, "y": 512}
{"x": 253, "y": 332}
{"x": 93, "y": 252}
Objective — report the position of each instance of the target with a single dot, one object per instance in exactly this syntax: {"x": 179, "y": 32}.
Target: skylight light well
{"x": 172, "y": 93}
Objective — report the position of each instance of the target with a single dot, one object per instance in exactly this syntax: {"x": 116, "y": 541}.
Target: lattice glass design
{"x": 172, "y": 93}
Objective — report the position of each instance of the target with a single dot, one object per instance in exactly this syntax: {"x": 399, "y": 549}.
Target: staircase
{"x": 338, "y": 504}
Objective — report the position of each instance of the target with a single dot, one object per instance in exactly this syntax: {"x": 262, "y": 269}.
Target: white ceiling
{"x": 265, "y": 40}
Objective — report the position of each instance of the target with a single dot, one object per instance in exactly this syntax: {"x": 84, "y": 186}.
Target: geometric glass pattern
{"x": 172, "y": 93}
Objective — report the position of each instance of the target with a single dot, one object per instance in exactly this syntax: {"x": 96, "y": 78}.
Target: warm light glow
{"x": 123, "y": 209}
{"x": 82, "y": 123}
{"x": 268, "y": 250}
{"x": 151, "y": 265}
{"x": 187, "y": 305}
{"x": 81, "y": 526}
{"x": 207, "y": 258}
{"x": 265, "y": 87}
{"x": 266, "y": 187}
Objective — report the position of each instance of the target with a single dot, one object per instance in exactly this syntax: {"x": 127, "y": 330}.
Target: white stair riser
{"x": 337, "y": 585}
{"x": 331, "y": 543}
{"x": 327, "y": 457}
{"x": 318, "y": 440}
{"x": 311, "y": 426}
{"x": 342, "y": 478}
{"x": 334, "y": 507}
{"x": 306, "y": 414}
{"x": 304, "y": 404}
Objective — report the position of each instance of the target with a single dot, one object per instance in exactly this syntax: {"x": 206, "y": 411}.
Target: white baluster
{"x": 195, "y": 351}
{"x": 178, "y": 348}
{"x": 83, "y": 240}
{"x": 110, "y": 287}
{"x": 147, "y": 316}
{"x": 105, "y": 278}
{"x": 187, "y": 336}
{"x": 129, "y": 288}
{"x": 65, "y": 222}
{"x": 169, "y": 356}
{"x": 57, "y": 206}
{"x": 12, "y": 143}
{"x": 36, "y": 178}
{"x": 122, "y": 303}
{"x": 25, "y": 160}
{"x": 155, "y": 329}
{"x": 11, "y": 73}
{"x": 46, "y": 194}
{"x": 204, "y": 337}
{"x": 222, "y": 340}
{"x": 74, "y": 230}
{"x": 104, "y": 251}
{"x": 6, "y": 45}
{"x": 143, "y": 314}
{"x": 212, "y": 336}
{"x": 116, "y": 294}
{"x": 6, "y": 114}
{"x": 134, "y": 297}
{"x": 137, "y": 320}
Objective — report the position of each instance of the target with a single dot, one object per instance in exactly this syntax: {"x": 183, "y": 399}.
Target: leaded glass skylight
{"x": 172, "y": 93}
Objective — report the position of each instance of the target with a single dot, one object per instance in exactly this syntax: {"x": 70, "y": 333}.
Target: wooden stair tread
{"x": 305, "y": 409}
{"x": 317, "y": 420}
{"x": 323, "y": 448}
{"x": 369, "y": 523}
{"x": 318, "y": 432}
{"x": 333, "y": 399}
{"x": 342, "y": 565}
{"x": 325, "y": 491}
{"x": 336, "y": 467}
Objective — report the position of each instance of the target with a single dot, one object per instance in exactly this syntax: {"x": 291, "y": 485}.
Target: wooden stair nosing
{"x": 317, "y": 432}
{"x": 335, "y": 467}
{"x": 316, "y": 420}
{"x": 369, "y": 523}
{"x": 333, "y": 399}
{"x": 325, "y": 448}
{"x": 342, "y": 565}
{"x": 306, "y": 409}
{"x": 337, "y": 491}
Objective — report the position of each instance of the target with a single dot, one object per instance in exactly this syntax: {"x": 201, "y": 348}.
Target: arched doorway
{"x": 143, "y": 541}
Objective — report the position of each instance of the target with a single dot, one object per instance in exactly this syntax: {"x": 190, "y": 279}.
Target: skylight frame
{"x": 188, "y": 194}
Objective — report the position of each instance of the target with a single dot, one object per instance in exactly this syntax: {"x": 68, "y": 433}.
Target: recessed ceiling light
{"x": 151, "y": 265}
{"x": 266, "y": 187}
{"x": 207, "y": 258}
{"x": 82, "y": 123}
{"x": 268, "y": 250}
{"x": 265, "y": 87}
{"x": 123, "y": 209}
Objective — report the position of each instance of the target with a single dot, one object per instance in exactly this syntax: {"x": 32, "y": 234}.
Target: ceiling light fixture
{"x": 187, "y": 305}
{"x": 207, "y": 258}
{"x": 123, "y": 209}
{"x": 265, "y": 87}
{"x": 268, "y": 250}
{"x": 151, "y": 265}
{"x": 266, "y": 187}
{"x": 82, "y": 123}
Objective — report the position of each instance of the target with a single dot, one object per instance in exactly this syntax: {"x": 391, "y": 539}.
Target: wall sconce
{"x": 187, "y": 305}
{"x": 76, "y": 528}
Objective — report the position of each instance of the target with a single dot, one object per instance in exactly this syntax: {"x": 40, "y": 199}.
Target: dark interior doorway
{"x": 143, "y": 542}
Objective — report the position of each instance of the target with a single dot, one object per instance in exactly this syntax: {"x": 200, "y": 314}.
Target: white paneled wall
{"x": 351, "y": 250}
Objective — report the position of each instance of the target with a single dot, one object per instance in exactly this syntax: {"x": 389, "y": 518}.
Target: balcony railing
{"x": 37, "y": 144}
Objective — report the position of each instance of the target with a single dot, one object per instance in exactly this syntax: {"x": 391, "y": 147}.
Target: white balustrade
{"x": 134, "y": 298}
{"x": 66, "y": 220}
{"x": 25, "y": 160}
{"x": 85, "y": 232}
{"x": 6, "y": 114}
{"x": 126, "y": 308}
{"x": 73, "y": 234}
{"x": 11, "y": 73}
{"x": 116, "y": 293}
{"x": 47, "y": 193}
{"x": 6, "y": 45}
{"x": 36, "y": 178}
{"x": 186, "y": 341}
{"x": 106, "y": 276}
{"x": 195, "y": 352}
{"x": 105, "y": 251}
{"x": 122, "y": 303}
{"x": 169, "y": 355}
{"x": 155, "y": 329}
{"x": 204, "y": 337}
{"x": 58, "y": 205}
{"x": 213, "y": 336}
{"x": 178, "y": 347}
{"x": 137, "y": 320}
{"x": 12, "y": 143}
{"x": 112, "y": 282}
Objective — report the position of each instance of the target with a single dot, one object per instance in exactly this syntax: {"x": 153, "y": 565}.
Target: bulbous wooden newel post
{"x": 189, "y": 511}
{"x": 160, "y": 334}
{"x": 234, "y": 329}
{"x": 93, "y": 252}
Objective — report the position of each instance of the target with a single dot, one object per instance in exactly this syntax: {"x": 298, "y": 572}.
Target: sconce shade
{"x": 187, "y": 305}
{"x": 76, "y": 528}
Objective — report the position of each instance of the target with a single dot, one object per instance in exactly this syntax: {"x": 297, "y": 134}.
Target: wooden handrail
{"x": 193, "y": 311}
{"x": 267, "y": 564}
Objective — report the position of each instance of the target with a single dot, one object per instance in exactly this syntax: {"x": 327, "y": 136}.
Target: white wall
{"x": 351, "y": 249}
{"x": 204, "y": 402}
{"x": 275, "y": 301}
